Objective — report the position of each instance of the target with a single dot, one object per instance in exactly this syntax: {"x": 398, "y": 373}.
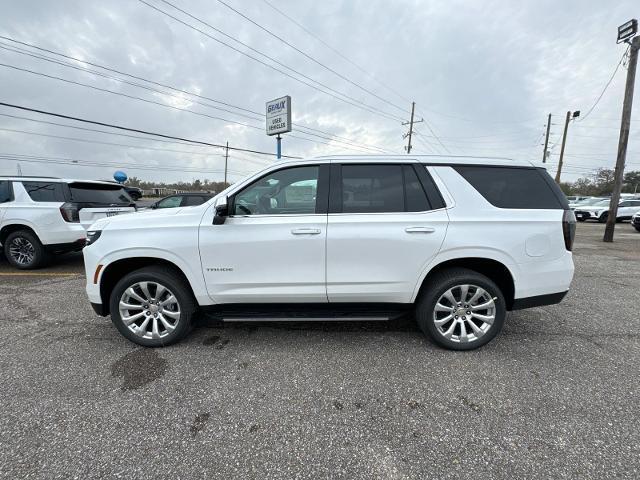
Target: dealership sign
{"x": 279, "y": 115}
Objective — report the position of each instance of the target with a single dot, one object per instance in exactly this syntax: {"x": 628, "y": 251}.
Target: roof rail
{"x": 28, "y": 176}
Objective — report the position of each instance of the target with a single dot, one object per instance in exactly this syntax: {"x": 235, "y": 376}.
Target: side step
{"x": 306, "y": 313}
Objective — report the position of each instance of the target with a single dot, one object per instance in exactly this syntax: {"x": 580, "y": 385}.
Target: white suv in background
{"x": 458, "y": 241}
{"x": 40, "y": 216}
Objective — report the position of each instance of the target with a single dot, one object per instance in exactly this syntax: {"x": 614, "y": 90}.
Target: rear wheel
{"x": 23, "y": 250}
{"x": 461, "y": 309}
{"x": 152, "y": 307}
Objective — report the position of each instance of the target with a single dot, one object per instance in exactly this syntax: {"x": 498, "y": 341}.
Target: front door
{"x": 385, "y": 225}
{"x": 271, "y": 247}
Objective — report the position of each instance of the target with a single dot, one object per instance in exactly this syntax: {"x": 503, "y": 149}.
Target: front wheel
{"x": 603, "y": 218}
{"x": 152, "y": 306}
{"x": 461, "y": 309}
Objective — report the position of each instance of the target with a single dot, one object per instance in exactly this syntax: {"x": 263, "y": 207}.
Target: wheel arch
{"x": 117, "y": 269}
{"x": 6, "y": 230}
{"x": 497, "y": 271}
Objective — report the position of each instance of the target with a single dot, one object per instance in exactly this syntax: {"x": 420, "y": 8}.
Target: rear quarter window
{"x": 5, "y": 192}
{"x": 99, "y": 193}
{"x": 509, "y": 187}
{"x": 45, "y": 191}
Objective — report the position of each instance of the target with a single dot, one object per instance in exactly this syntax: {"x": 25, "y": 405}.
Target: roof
{"x": 434, "y": 159}
{"x": 53, "y": 179}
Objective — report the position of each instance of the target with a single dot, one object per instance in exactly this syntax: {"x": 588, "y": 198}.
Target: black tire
{"x": 28, "y": 240}
{"x": 437, "y": 286}
{"x": 581, "y": 219}
{"x": 637, "y": 228}
{"x": 173, "y": 281}
{"x": 603, "y": 217}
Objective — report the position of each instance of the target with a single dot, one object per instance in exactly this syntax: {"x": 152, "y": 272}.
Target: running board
{"x": 305, "y": 318}
{"x": 306, "y": 312}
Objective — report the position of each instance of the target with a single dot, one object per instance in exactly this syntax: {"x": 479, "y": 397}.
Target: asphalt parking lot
{"x": 555, "y": 396}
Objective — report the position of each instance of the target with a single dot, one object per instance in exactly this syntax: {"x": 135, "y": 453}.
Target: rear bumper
{"x": 538, "y": 300}
{"x": 66, "y": 247}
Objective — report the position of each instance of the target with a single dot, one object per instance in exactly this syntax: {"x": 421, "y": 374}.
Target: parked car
{"x": 134, "y": 192}
{"x": 457, "y": 241}
{"x": 40, "y": 216}
{"x": 576, "y": 198}
{"x": 635, "y": 221}
{"x": 586, "y": 202}
{"x": 600, "y": 211}
{"x": 181, "y": 200}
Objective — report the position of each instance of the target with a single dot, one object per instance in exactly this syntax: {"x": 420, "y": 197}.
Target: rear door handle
{"x": 305, "y": 231}
{"x": 419, "y": 229}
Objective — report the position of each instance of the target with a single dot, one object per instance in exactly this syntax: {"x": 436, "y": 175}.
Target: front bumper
{"x": 100, "y": 309}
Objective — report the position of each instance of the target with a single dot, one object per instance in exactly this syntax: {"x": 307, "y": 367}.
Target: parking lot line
{"x": 37, "y": 274}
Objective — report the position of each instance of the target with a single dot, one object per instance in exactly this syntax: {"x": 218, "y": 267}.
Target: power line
{"x": 336, "y": 94}
{"x": 260, "y": 116}
{"x": 336, "y": 51}
{"x": 88, "y": 163}
{"x": 136, "y": 130}
{"x": 607, "y": 84}
{"x": 173, "y": 107}
{"x": 310, "y": 57}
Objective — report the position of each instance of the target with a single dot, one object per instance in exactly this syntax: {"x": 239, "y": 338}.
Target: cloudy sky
{"x": 484, "y": 75}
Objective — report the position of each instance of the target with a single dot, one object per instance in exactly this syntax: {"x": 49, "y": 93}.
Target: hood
{"x": 145, "y": 217}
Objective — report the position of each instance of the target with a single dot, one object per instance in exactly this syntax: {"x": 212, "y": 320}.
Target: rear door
{"x": 5, "y": 197}
{"x": 628, "y": 208}
{"x": 99, "y": 200}
{"x": 386, "y": 222}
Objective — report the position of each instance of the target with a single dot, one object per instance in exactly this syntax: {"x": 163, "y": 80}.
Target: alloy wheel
{"x": 150, "y": 310}
{"x": 464, "y": 313}
{"x": 22, "y": 251}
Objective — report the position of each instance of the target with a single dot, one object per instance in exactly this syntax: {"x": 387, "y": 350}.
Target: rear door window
{"x": 372, "y": 189}
{"x": 170, "y": 202}
{"x": 193, "y": 200}
{"x": 5, "y": 192}
{"x": 97, "y": 193}
{"x": 45, "y": 191}
{"x": 509, "y": 187}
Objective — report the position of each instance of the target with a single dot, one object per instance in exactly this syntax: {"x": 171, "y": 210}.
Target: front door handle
{"x": 305, "y": 231}
{"x": 419, "y": 229}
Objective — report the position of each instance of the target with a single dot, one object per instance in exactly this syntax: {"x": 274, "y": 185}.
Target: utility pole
{"x": 226, "y": 161}
{"x": 564, "y": 142}
{"x": 410, "y": 123}
{"x": 546, "y": 140}
{"x": 625, "y": 126}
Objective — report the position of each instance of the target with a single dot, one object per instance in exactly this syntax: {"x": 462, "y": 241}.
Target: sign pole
{"x": 279, "y": 146}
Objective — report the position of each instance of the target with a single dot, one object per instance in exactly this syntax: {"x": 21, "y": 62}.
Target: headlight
{"x": 93, "y": 236}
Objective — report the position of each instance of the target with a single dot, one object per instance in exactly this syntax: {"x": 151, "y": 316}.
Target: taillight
{"x": 569, "y": 228}
{"x": 70, "y": 212}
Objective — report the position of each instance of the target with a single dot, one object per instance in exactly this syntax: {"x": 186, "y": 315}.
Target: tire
{"x": 23, "y": 250}
{"x": 581, "y": 219}
{"x": 450, "y": 281}
{"x": 153, "y": 323}
{"x": 603, "y": 217}
{"x": 637, "y": 228}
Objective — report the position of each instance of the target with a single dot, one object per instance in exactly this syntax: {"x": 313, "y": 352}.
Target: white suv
{"x": 458, "y": 241}
{"x": 40, "y": 216}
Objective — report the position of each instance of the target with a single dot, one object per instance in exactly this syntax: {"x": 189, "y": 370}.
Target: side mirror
{"x": 222, "y": 211}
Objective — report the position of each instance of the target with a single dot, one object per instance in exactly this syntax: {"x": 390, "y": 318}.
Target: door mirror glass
{"x": 222, "y": 211}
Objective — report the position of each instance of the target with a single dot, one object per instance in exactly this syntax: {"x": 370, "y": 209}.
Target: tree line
{"x": 195, "y": 186}
{"x": 600, "y": 183}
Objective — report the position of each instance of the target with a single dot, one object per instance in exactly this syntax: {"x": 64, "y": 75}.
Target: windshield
{"x": 99, "y": 193}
